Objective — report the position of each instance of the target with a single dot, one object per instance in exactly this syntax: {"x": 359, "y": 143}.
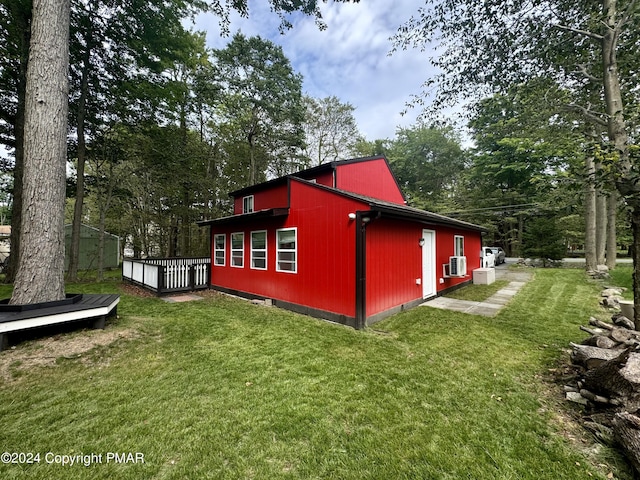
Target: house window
{"x": 247, "y": 204}
{"x": 287, "y": 250}
{"x": 237, "y": 250}
{"x": 219, "y": 247}
{"x": 259, "y": 250}
{"x": 458, "y": 247}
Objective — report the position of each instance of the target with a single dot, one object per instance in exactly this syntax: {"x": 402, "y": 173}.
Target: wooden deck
{"x": 93, "y": 308}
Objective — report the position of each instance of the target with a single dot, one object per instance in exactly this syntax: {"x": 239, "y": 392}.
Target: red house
{"x": 338, "y": 242}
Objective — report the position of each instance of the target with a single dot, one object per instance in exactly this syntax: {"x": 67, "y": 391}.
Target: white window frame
{"x": 235, "y": 250}
{"x": 259, "y": 250}
{"x": 287, "y": 250}
{"x": 247, "y": 204}
{"x": 216, "y": 250}
{"x": 458, "y": 245}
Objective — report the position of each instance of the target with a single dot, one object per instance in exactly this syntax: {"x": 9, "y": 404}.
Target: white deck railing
{"x": 166, "y": 275}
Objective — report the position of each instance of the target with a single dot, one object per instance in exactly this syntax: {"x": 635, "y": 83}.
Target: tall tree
{"x": 428, "y": 162}
{"x": 40, "y": 275}
{"x": 522, "y": 154}
{"x": 330, "y": 130}
{"x": 263, "y": 95}
{"x": 15, "y": 32}
{"x": 115, "y": 46}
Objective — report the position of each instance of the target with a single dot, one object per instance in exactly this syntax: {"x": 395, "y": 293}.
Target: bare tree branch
{"x": 577, "y": 31}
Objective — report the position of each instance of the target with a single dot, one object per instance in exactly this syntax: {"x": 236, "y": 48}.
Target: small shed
{"x": 89, "y": 237}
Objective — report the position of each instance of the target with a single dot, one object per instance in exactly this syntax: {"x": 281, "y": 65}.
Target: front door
{"x": 428, "y": 263}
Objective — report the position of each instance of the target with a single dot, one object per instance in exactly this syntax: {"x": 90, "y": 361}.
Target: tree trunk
{"x": 635, "y": 249}
{"x": 626, "y": 177}
{"x": 617, "y": 378}
{"x": 601, "y": 224}
{"x": 612, "y": 243}
{"x": 40, "y": 275}
{"x": 16, "y": 206}
{"x": 590, "y": 214}
{"x": 626, "y": 428}
{"x": 74, "y": 250}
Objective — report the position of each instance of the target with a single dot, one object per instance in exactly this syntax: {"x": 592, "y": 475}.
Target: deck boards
{"x": 89, "y": 307}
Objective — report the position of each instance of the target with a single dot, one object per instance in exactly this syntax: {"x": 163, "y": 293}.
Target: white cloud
{"x": 350, "y": 59}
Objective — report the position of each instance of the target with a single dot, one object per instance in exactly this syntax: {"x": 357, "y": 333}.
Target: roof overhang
{"x": 246, "y": 217}
{"x": 421, "y": 216}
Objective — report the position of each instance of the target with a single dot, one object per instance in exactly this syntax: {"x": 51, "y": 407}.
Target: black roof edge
{"x": 424, "y": 217}
{"x": 260, "y": 214}
{"x": 310, "y": 171}
{"x": 399, "y": 211}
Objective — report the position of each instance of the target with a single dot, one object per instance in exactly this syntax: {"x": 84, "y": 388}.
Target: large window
{"x": 247, "y": 204}
{"x": 287, "y": 250}
{"x": 458, "y": 246}
{"x": 259, "y": 250}
{"x": 237, "y": 250}
{"x": 219, "y": 247}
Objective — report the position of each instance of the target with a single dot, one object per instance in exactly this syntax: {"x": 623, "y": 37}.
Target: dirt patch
{"x": 46, "y": 352}
{"x": 136, "y": 291}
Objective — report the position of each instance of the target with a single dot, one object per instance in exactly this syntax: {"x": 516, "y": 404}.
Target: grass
{"x": 621, "y": 277}
{"x": 478, "y": 293}
{"x": 224, "y": 389}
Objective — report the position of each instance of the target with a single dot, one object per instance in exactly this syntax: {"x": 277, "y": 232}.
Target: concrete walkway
{"x": 492, "y": 305}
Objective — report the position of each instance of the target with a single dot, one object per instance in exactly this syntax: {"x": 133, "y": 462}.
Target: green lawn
{"x": 621, "y": 277}
{"x": 224, "y": 389}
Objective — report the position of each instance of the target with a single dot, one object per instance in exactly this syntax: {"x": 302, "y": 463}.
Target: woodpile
{"x": 608, "y": 383}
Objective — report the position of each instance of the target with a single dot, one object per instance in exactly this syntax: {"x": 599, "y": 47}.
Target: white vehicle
{"x": 488, "y": 258}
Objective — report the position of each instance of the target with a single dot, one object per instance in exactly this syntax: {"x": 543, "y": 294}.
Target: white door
{"x": 428, "y": 263}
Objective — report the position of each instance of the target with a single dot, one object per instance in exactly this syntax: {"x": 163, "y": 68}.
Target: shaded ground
{"x": 47, "y": 352}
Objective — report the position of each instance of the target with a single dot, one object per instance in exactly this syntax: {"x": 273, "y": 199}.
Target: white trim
{"x": 266, "y": 259}
{"x": 27, "y": 323}
{"x": 223, "y": 250}
{"x": 429, "y": 286}
{"x": 244, "y": 204}
{"x": 231, "y": 249}
{"x": 456, "y": 252}
{"x": 287, "y": 250}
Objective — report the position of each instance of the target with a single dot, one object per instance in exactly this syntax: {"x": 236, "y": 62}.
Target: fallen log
{"x": 617, "y": 379}
{"x": 599, "y": 323}
{"x": 621, "y": 335}
{"x": 622, "y": 321}
{"x": 592, "y": 357}
{"x": 599, "y": 341}
{"x": 626, "y": 431}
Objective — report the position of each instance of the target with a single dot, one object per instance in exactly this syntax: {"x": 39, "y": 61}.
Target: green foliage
{"x": 525, "y": 160}
{"x": 543, "y": 240}
{"x": 330, "y": 128}
{"x": 262, "y": 99}
{"x": 428, "y": 162}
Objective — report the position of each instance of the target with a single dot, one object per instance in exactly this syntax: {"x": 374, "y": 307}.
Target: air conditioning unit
{"x": 458, "y": 266}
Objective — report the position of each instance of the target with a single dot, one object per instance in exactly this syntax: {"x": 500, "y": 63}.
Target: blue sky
{"x": 349, "y": 60}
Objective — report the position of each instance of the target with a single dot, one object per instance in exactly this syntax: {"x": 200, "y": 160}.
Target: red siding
{"x": 372, "y": 178}
{"x": 322, "y": 178}
{"x": 325, "y": 279}
{"x": 445, "y": 248}
{"x": 394, "y": 262}
{"x": 274, "y": 197}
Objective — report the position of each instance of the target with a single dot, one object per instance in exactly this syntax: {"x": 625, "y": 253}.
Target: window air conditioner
{"x": 458, "y": 266}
